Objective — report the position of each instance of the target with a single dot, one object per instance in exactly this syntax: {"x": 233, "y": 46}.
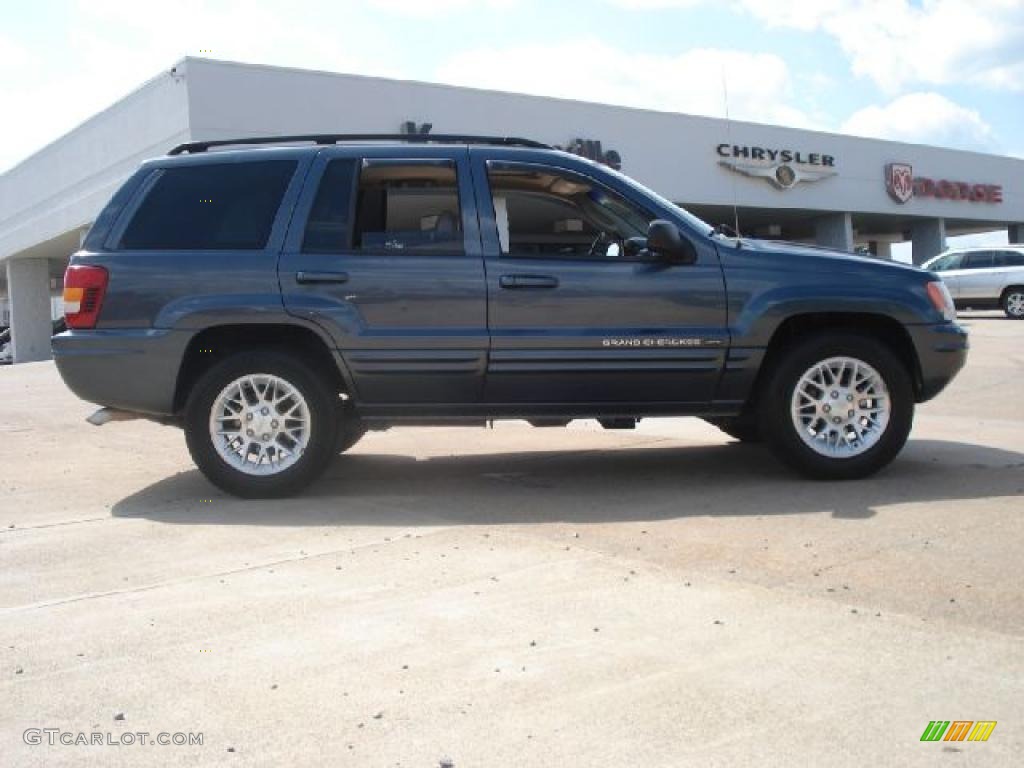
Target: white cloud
{"x": 898, "y": 42}
{"x": 13, "y": 55}
{"x": 655, "y": 5}
{"x": 592, "y": 70}
{"x": 927, "y": 118}
{"x": 102, "y": 49}
{"x": 799, "y": 14}
{"x": 422, "y": 8}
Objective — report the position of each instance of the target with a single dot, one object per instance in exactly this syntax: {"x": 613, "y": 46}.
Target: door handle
{"x": 527, "y": 282}
{"x": 321, "y": 277}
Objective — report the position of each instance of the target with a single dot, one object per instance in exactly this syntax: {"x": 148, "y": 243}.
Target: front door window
{"x": 545, "y": 213}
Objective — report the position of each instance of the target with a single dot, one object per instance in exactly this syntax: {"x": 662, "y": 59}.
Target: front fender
{"x": 764, "y": 293}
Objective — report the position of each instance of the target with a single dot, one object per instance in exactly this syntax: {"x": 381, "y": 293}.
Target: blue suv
{"x": 279, "y": 297}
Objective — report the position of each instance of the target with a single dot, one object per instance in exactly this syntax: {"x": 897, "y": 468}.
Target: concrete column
{"x": 28, "y": 290}
{"x": 929, "y": 238}
{"x": 1015, "y": 233}
{"x": 834, "y": 231}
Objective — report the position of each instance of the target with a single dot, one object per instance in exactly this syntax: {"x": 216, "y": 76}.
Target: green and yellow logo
{"x": 958, "y": 730}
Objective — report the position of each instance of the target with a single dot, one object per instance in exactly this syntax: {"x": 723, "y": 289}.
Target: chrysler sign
{"x": 902, "y": 185}
{"x": 782, "y": 168}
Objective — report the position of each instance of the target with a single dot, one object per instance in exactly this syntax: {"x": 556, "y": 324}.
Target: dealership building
{"x": 776, "y": 182}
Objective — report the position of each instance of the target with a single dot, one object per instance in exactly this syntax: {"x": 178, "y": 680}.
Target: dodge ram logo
{"x": 899, "y": 181}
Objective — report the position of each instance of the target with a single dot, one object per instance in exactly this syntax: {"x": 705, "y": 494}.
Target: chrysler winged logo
{"x": 899, "y": 181}
{"x": 781, "y": 176}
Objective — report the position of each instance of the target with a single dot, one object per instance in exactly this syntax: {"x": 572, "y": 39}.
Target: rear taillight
{"x": 84, "y": 288}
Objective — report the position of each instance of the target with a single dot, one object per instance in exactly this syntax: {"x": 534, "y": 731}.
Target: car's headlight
{"x": 942, "y": 300}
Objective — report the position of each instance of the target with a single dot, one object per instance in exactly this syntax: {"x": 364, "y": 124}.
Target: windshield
{"x": 943, "y": 262}
{"x": 612, "y": 212}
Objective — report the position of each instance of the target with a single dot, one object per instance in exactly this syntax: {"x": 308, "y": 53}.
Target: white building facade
{"x": 776, "y": 182}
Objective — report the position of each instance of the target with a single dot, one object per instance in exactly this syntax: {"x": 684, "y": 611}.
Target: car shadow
{"x": 626, "y": 484}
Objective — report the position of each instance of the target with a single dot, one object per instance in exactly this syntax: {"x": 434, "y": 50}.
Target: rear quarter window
{"x": 221, "y": 206}
{"x": 1009, "y": 259}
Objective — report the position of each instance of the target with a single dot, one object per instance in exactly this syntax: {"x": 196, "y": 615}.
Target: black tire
{"x": 324, "y": 410}
{"x": 781, "y": 434}
{"x": 1017, "y": 292}
{"x": 741, "y": 428}
{"x": 350, "y": 431}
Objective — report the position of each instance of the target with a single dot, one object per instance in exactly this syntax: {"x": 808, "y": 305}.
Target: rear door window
{"x": 408, "y": 208}
{"x": 220, "y": 206}
{"x": 978, "y": 260}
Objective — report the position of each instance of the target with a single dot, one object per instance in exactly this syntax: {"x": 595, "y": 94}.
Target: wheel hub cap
{"x": 260, "y": 424}
{"x": 840, "y": 407}
{"x": 1015, "y": 304}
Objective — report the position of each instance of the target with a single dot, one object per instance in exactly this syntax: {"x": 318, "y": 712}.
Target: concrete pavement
{"x": 517, "y": 596}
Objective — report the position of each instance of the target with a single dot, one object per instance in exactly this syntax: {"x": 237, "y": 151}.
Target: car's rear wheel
{"x": 1013, "y": 303}
{"x": 839, "y": 407}
{"x": 261, "y": 424}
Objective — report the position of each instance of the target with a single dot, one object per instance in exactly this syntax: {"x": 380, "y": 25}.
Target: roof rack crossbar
{"x": 193, "y": 147}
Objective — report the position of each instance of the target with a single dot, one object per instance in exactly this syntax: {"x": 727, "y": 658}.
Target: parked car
{"x": 6, "y": 349}
{"x": 984, "y": 278}
{"x": 279, "y": 301}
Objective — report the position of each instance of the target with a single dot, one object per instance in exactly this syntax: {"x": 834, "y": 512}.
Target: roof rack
{"x": 193, "y": 147}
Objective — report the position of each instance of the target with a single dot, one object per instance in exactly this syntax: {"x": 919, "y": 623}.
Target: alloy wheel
{"x": 1015, "y": 304}
{"x": 840, "y": 407}
{"x": 260, "y": 424}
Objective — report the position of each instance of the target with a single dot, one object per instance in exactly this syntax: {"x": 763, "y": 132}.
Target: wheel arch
{"x": 1016, "y": 286}
{"x": 1004, "y": 297}
{"x": 217, "y": 342}
{"x": 885, "y": 329}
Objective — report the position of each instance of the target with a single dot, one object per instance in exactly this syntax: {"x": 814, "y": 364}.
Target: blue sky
{"x": 945, "y": 72}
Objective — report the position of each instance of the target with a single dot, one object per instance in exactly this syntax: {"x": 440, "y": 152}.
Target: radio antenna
{"x": 728, "y": 135}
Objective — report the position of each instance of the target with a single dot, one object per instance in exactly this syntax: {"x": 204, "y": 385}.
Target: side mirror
{"x": 663, "y": 239}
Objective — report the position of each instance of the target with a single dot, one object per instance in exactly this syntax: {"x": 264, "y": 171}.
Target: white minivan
{"x": 984, "y": 278}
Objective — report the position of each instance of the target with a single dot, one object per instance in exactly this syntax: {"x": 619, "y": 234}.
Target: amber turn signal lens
{"x": 942, "y": 300}
{"x": 84, "y": 289}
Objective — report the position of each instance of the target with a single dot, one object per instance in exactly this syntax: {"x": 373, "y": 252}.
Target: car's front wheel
{"x": 261, "y": 424}
{"x": 1013, "y": 303}
{"x": 838, "y": 407}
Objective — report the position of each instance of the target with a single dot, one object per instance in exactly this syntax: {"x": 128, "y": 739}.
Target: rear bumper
{"x": 942, "y": 352}
{"x": 132, "y": 370}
